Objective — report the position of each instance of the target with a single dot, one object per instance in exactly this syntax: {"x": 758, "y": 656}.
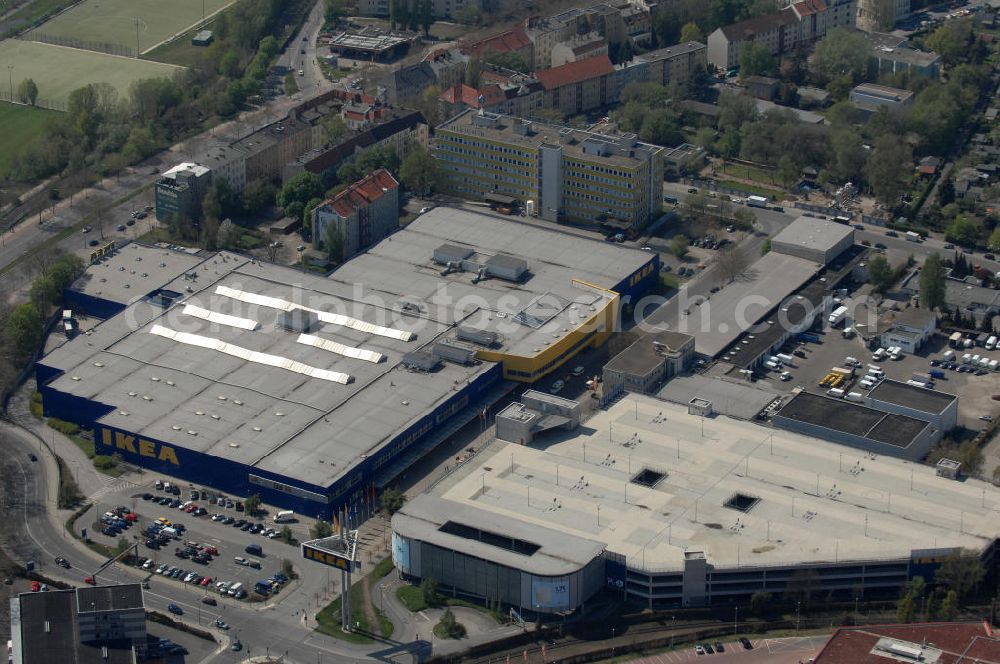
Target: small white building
{"x": 909, "y": 329}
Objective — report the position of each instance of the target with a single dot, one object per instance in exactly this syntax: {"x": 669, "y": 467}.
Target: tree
{"x": 23, "y": 329}
{"x": 932, "y": 283}
{"x": 945, "y": 41}
{"x": 258, "y": 196}
{"x": 229, "y": 64}
{"x": 473, "y": 69}
{"x": 735, "y": 110}
{"x": 448, "y": 627}
{"x": 287, "y": 569}
{"x": 843, "y": 52}
{"x": 994, "y": 241}
{"x": 333, "y": 242}
{"x": 660, "y": 127}
{"x": 963, "y": 231}
{"x": 960, "y": 573}
{"x": 429, "y": 591}
{"x": 788, "y": 173}
{"x": 756, "y": 60}
{"x": 691, "y": 32}
{"x": 766, "y": 247}
{"x": 949, "y": 606}
{"x": 392, "y": 500}
{"x": 880, "y": 274}
{"x": 252, "y": 504}
{"x": 732, "y": 261}
{"x": 679, "y": 246}
{"x": 888, "y": 169}
{"x": 27, "y": 91}
{"x": 298, "y": 191}
{"x": 334, "y": 128}
{"x": 760, "y": 603}
{"x": 419, "y": 172}
{"x": 286, "y": 535}
{"x": 321, "y": 529}
{"x": 426, "y": 17}
{"x": 906, "y": 609}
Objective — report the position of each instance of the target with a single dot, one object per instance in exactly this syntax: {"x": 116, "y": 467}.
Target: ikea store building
{"x": 316, "y": 392}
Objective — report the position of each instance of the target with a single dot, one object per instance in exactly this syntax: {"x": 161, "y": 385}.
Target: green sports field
{"x": 20, "y": 127}
{"x": 57, "y": 70}
{"x": 113, "y": 21}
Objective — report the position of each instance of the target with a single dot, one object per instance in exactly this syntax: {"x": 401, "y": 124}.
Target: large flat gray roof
{"x": 309, "y": 428}
{"x": 809, "y": 511}
{"x": 814, "y": 233}
{"x": 133, "y": 270}
{"x": 910, "y": 396}
{"x": 740, "y": 400}
{"x": 739, "y": 305}
{"x": 853, "y": 418}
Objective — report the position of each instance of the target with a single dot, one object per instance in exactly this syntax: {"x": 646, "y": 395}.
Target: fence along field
{"x": 115, "y": 26}
{"x": 57, "y": 70}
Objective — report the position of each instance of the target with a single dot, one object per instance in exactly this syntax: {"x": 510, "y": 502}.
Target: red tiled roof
{"x": 461, "y": 94}
{"x": 362, "y": 193}
{"x": 809, "y": 7}
{"x": 510, "y": 40}
{"x": 575, "y": 72}
{"x": 959, "y": 642}
{"x": 490, "y": 76}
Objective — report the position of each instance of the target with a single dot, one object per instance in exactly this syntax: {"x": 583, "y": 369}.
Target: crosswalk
{"x": 112, "y": 485}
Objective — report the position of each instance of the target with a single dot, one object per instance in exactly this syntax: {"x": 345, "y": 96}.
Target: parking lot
{"x": 790, "y": 650}
{"x": 206, "y": 536}
{"x": 974, "y": 391}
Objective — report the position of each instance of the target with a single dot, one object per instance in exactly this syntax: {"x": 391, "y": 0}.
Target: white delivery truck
{"x": 284, "y": 516}
{"x": 949, "y": 355}
{"x": 235, "y": 589}
{"x": 879, "y": 355}
{"x": 835, "y": 392}
{"x": 955, "y": 340}
{"x": 913, "y": 236}
{"x": 757, "y": 201}
{"x": 855, "y": 396}
{"x": 837, "y": 316}
{"x": 785, "y": 359}
{"x": 991, "y": 343}
{"x": 966, "y": 359}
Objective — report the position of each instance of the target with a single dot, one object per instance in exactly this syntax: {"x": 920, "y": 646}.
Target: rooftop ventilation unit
{"x": 421, "y": 360}
{"x": 481, "y": 337}
{"x": 455, "y": 351}
{"x": 298, "y": 320}
{"x": 508, "y": 268}
{"x": 451, "y": 253}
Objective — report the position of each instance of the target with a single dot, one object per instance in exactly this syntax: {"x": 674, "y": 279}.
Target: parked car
{"x": 745, "y": 642}
{"x": 173, "y": 608}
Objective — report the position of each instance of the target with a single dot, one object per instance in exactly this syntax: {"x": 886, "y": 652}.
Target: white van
{"x": 771, "y": 365}
{"x": 282, "y": 517}
{"x": 966, "y": 358}
{"x": 879, "y": 355}
{"x": 235, "y": 589}
{"x": 852, "y": 362}
{"x": 835, "y": 392}
{"x": 867, "y": 383}
{"x": 991, "y": 343}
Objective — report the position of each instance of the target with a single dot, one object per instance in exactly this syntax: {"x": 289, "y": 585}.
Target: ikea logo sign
{"x": 328, "y": 558}
{"x": 144, "y": 448}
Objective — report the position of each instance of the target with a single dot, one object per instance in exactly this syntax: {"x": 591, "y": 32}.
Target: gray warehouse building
{"x": 940, "y": 409}
{"x": 536, "y": 413}
{"x": 813, "y": 239}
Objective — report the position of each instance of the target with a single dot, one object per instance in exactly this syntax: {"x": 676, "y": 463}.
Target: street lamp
{"x": 736, "y": 620}
{"x": 797, "y": 616}
{"x": 10, "y": 78}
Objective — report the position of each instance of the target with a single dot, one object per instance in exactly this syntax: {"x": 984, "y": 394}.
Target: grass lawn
{"x": 773, "y": 194}
{"x": 411, "y": 597}
{"x": 32, "y": 12}
{"x": 749, "y": 173}
{"x": 22, "y": 126}
{"x": 329, "y": 617}
{"x": 111, "y": 21}
{"x": 58, "y": 70}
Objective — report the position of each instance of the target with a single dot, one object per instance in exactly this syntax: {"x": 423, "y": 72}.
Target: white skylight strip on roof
{"x": 254, "y": 298}
{"x": 340, "y": 349}
{"x": 220, "y": 318}
{"x": 325, "y": 316}
{"x": 250, "y": 355}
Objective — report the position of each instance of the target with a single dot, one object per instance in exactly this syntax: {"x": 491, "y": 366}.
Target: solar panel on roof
{"x": 250, "y": 355}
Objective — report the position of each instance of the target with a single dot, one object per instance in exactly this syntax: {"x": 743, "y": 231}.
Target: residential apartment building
{"x": 448, "y": 65}
{"x": 514, "y": 40}
{"x": 578, "y": 47}
{"x": 881, "y": 15}
{"x": 364, "y": 213}
{"x": 406, "y": 83}
{"x": 544, "y": 34}
{"x": 778, "y": 31}
{"x": 440, "y": 9}
{"x": 267, "y": 151}
{"x": 799, "y": 23}
{"x": 517, "y": 100}
{"x": 674, "y": 64}
{"x": 578, "y": 87}
{"x": 567, "y": 174}
{"x": 179, "y": 192}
